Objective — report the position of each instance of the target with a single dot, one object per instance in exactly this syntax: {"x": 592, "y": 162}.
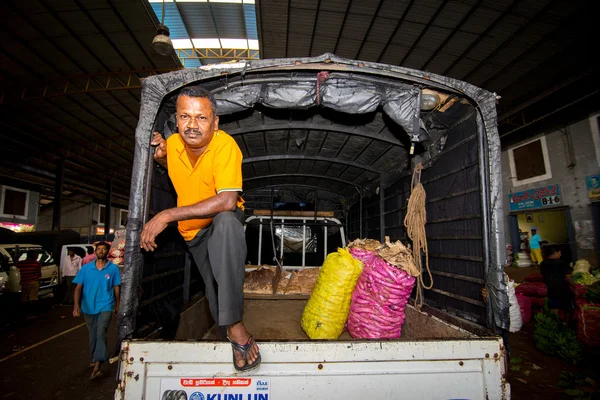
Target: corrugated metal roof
{"x": 209, "y": 20}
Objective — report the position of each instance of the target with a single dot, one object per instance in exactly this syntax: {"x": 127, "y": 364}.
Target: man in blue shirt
{"x": 535, "y": 247}
{"x": 97, "y": 297}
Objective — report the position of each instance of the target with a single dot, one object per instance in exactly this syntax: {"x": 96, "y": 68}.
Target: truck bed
{"x": 278, "y": 319}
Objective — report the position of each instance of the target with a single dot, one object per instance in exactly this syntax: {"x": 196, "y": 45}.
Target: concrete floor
{"x": 47, "y": 357}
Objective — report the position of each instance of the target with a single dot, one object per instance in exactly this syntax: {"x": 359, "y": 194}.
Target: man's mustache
{"x": 193, "y": 131}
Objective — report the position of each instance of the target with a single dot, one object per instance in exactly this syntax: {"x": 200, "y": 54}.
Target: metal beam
{"x": 44, "y": 174}
{"x": 214, "y": 21}
{"x": 309, "y": 158}
{"x": 312, "y": 37}
{"x": 396, "y": 29}
{"x": 187, "y": 32}
{"x": 523, "y": 28}
{"x": 481, "y": 36}
{"x": 58, "y": 190}
{"x": 33, "y": 72}
{"x": 416, "y": 42}
{"x": 368, "y": 29}
{"x": 314, "y": 127}
{"x": 339, "y": 36}
{"x": 126, "y": 26}
{"x": 300, "y": 176}
{"x": 287, "y": 28}
{"x": 456, "y": 29}
{"x": 78, "y": 38}
{"x": 78, "y": 84}
{"x": 69, "y": 57}
{"x": 225, "y": 54}
{"x": 532, "y": 100}
{"x": 283, "y": 185}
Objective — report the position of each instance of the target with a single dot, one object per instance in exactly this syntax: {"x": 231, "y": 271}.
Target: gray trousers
{"x": 220, "y": 253}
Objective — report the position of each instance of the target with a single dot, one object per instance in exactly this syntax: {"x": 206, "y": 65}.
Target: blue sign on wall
{"x": 547, "y": 196}
{"x": 593, "y": 187}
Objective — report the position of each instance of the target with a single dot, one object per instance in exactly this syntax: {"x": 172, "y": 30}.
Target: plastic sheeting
{"x": 399, "y": 102}
{"x": 294, "y": 236}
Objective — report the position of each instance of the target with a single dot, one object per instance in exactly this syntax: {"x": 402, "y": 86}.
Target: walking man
{"x": 97, "y": 297}
{"x": 70, "y": 268}
{"x": 205, "y": 167}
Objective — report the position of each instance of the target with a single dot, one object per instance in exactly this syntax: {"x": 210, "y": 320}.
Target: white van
{"x": 49, "y": 279}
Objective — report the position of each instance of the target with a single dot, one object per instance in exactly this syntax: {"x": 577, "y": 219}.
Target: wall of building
{"x": 550, "y": 225}
{"x": 570, "y": 174}
{"x": 32, "y": 206}
{"x": 79, "y": 213}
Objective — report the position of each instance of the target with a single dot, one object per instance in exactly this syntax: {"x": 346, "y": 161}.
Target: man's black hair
{"x": 551, "y": 249}
{"x": 103, "y": 244}
{"x": 199, "y": 91}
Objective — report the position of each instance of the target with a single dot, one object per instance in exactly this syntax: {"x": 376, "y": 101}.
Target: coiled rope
{"x": 414, "y": 222}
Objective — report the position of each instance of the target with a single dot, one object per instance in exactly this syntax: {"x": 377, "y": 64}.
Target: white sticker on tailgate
{"x": 215, "y": 389}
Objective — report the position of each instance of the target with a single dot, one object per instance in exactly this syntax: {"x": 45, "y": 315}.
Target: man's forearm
{"x": 224, "y": 201}
{"x": 117, "y": 290}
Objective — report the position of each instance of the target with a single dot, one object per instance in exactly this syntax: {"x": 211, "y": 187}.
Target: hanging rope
{"x": 414, "y": 222}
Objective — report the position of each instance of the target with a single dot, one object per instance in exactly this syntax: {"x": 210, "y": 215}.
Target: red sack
{"x": 525, "y": 306}
{"x": 580, "y": 301}
{"x": 532, "y": 289}
{"x": 588, "y": 324}
{"x": 577, "y": 289}
{"x": 537, "y": 302}
{"x": 535, "y": 277}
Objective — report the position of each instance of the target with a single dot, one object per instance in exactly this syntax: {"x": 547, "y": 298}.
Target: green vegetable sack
{"x": 327, "y": 309}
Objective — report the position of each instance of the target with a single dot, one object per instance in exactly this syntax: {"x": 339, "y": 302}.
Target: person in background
{"x": 31, "y": 272}
{"x": 555, "y": 271}
{"x": 70, "y": 267}
{"x": 535, "y": 248}
{"x": 97, "y": 296}
{"x": 89, "y": 257}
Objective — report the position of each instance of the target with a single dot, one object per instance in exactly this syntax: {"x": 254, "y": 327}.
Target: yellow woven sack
{"x": 327, "y": 309}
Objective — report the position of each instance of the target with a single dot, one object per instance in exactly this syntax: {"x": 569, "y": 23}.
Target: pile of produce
{"x": 581, "y": 281}
{"x": 552, "y": 336}
{"x": 585, "y": 278}
{"x": 382, "y": 290}
{"x": 536, "y": 292}
{"x": 116, "y": 254}
{"x": 327, "y": 309}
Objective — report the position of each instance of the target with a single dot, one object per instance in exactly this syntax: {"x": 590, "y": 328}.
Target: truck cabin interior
{"x": 334, "y": 136}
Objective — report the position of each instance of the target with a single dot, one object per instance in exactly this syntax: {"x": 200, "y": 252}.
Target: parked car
{"x": 50, "y": 278}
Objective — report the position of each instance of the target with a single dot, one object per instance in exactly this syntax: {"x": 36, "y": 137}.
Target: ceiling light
{"x": 161, "y": 44}
{"x": 429, "y": 101}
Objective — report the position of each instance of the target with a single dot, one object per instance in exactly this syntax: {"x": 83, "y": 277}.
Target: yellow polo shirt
{"x": 218, "y": 169}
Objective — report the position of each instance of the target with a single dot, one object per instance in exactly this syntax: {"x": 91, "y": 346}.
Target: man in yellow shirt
{"x": 205, "y": 167}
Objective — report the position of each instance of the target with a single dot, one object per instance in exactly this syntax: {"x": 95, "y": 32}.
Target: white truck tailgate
{"x": 445, "y": 369}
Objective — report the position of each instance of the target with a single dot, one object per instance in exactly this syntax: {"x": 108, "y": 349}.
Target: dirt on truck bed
{"x": 278, "y": 318}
